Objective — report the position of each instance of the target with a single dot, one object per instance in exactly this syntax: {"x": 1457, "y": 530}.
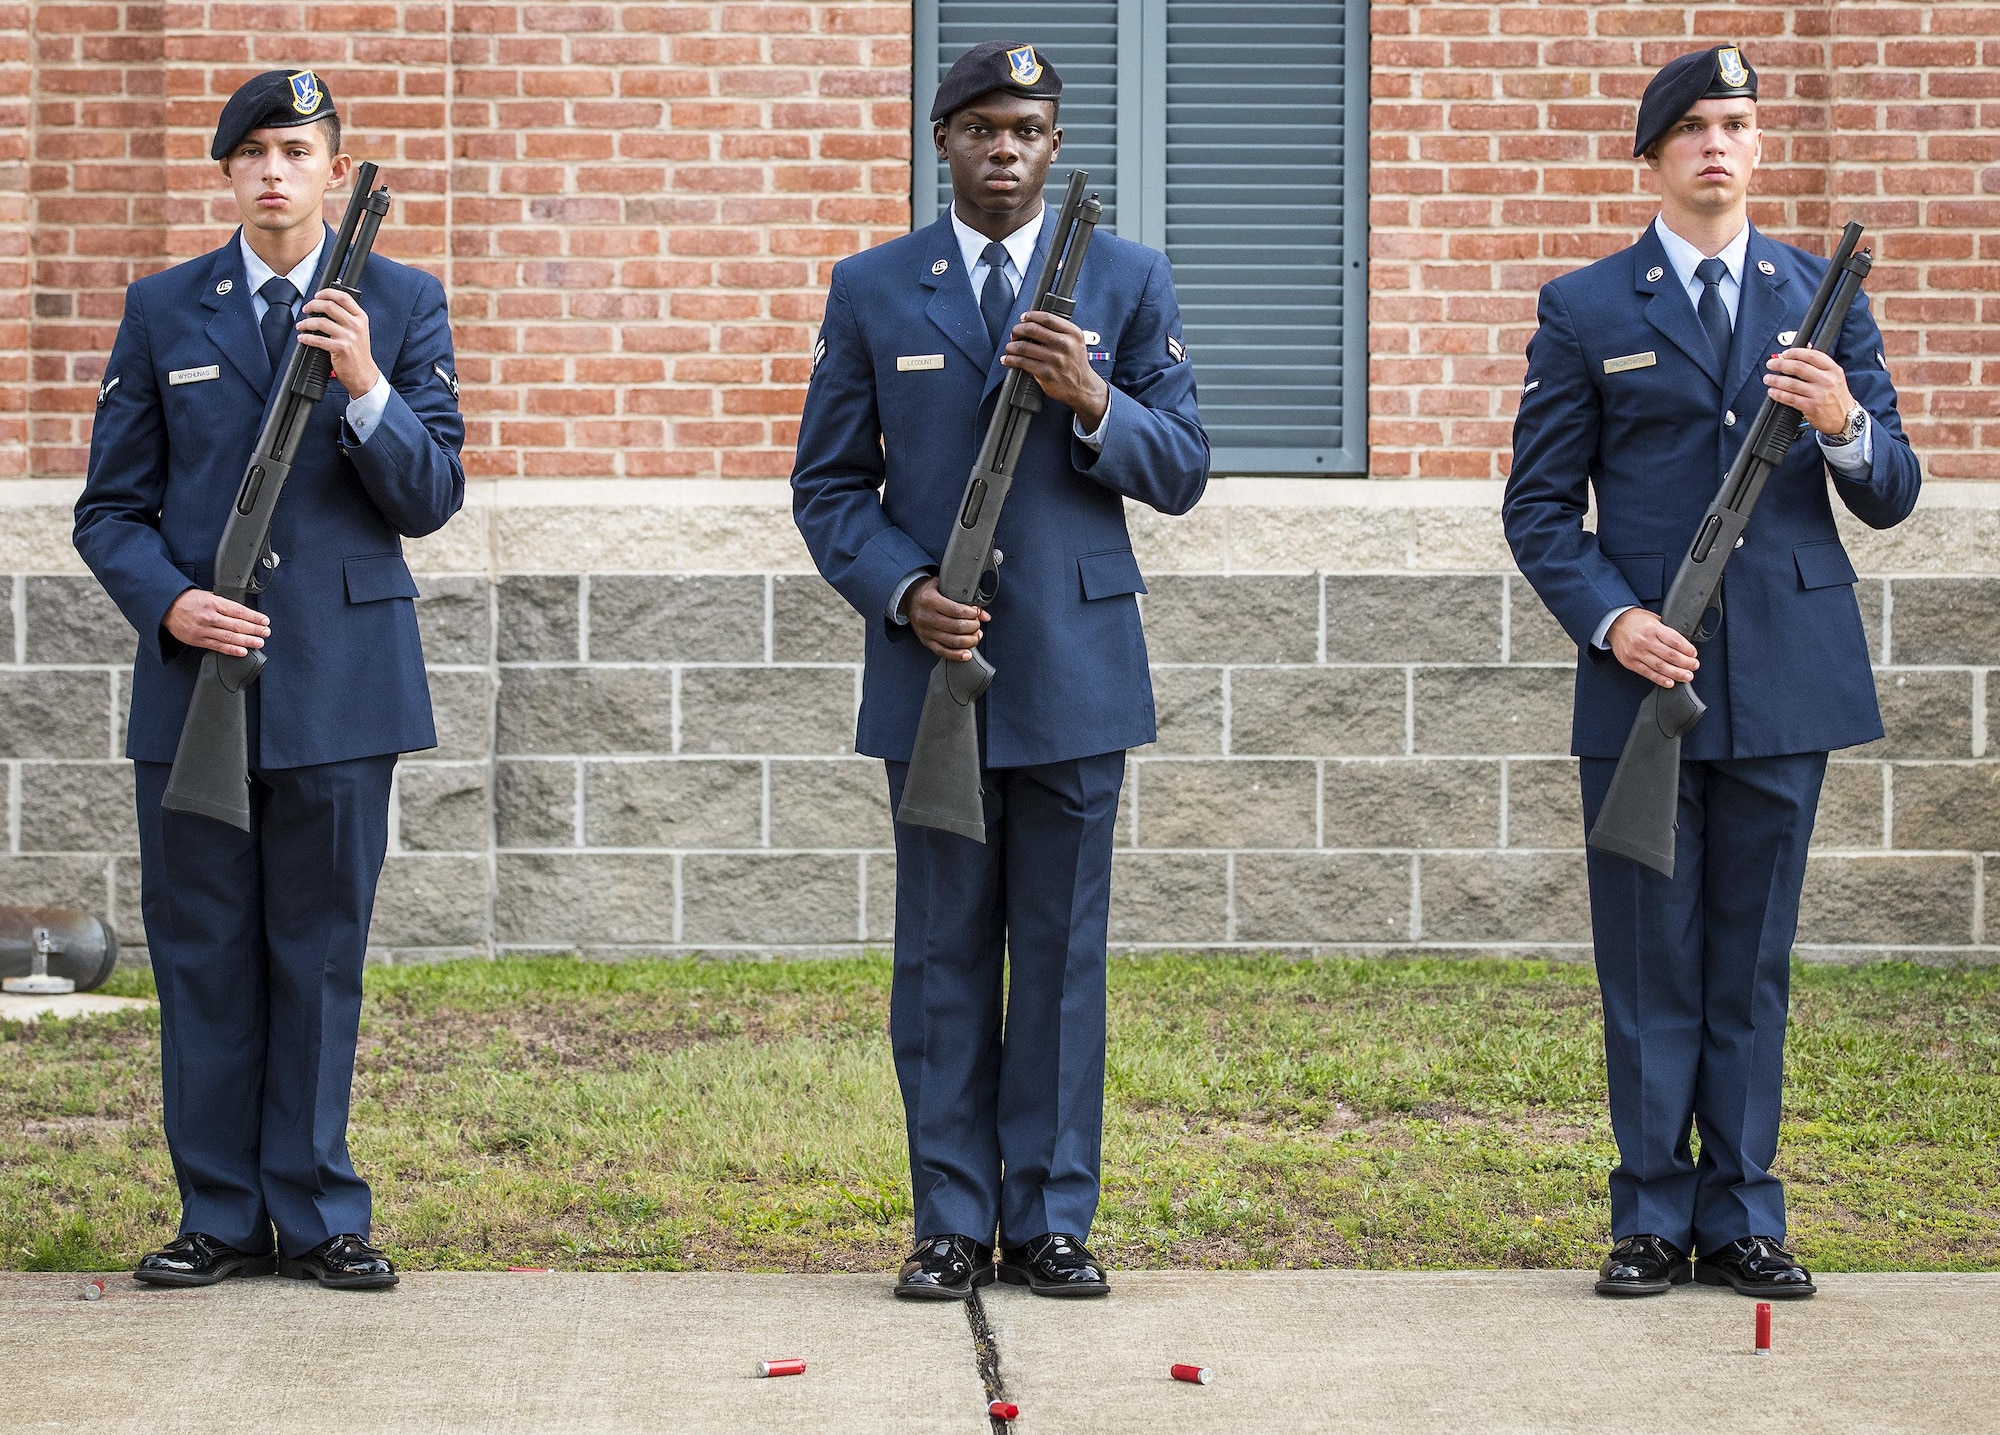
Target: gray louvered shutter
{"x": 1240, "y": 128}
{"x": 1082, "y": 41}
{"x": 1257, "y": 210}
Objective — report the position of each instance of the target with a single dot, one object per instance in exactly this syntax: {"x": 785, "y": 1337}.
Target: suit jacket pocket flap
{"x": 1107, "y": 574}
{"x": 1646, "y": 572}
{"x": 1823, "y": 565}
{"x": 382, "y": 575}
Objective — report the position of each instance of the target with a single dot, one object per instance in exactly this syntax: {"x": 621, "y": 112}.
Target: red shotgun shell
{"x": 93, "y": 1290}
{"x": 1002, "y": 1409}
{"x": 1192, "y": 1374}
{"x": 790, "y": 1365}
{"x": 1763, "y": 1327}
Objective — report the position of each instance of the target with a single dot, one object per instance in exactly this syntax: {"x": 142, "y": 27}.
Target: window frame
{"x": 1142, "y": 203}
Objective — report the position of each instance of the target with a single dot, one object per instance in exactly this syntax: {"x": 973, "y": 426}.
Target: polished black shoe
{"x": 342, "y": 1263}
{"x": 945, "y": 1268}
{"x": 1054, "y": 1264}
{"x": 1756, "y": 1265}
{"x": 1642, "y": 1265}
{"x": 195, "y": 1259}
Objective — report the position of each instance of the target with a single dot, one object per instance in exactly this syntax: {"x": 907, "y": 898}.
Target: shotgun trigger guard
{"x": 989, "y": 584}
{"x": 1703, "y": 631}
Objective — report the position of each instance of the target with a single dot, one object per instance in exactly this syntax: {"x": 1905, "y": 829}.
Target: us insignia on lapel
{"x": 1176, "y": 350}
{"x": 1630, "y": 361}
{"x": 1765, "y": 266}
{"x": 1654, "y": 273}
{"x": 1788, "y": 337}
{"x": 225, "y": 286}
{"x": 940, "y": 266}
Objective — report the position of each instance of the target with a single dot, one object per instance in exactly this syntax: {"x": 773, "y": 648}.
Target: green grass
{"x": 684, "y": 1114}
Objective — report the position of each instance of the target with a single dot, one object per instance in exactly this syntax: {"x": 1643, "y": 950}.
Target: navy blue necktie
{"x": 1714, "y": 313}
{"x": 996, "y": 300}
{"x": 278, "y": 319}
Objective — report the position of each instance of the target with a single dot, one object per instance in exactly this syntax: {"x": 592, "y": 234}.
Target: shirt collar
{"x": 1020, "y": 245}
{"x": 256, "y": 273}
{"x": 1684, "y": 256}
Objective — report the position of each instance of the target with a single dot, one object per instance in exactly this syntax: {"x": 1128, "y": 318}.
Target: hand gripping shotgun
{"x": 211, "y": 774}
{"x": 1642, "y": 805}
{"x": 943, "y": 789}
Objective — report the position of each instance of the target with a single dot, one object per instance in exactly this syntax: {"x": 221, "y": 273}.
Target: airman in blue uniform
{"x": 1004, "y": 1113}
{"x": 257, "y": 939}
{"x": 1644, "y": 376}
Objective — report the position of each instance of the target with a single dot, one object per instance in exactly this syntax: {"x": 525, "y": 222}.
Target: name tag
{"x": 195, "y": 376}
{"x": 1630, "y": 361}
{"x": 917, "y": 363}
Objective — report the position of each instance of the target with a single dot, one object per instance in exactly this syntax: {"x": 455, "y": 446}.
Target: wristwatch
{"x": 1857, "y": 420}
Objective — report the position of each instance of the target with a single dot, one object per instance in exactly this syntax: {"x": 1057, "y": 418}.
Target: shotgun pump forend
{"x": 211, "y": 772}
{"x": 1640, "y": 809}
{"x": 942, "y": 789}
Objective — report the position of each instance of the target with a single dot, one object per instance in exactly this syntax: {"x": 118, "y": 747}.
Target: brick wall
{"x": 1501, "y": 157}
{"x": 633, "y": 206}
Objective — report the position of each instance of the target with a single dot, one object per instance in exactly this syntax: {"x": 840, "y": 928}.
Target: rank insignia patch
{"x": 450, "y": 380}
{"x": 1176, "y": 350}
{"x": 819, "y": 352}
{"x": 306, "y": 93}
{"x": 104, "y": 390}
{"x": 1023, "y": 65}
{"x": 1729, "y": 60}
{"x": 1530, "y": 387}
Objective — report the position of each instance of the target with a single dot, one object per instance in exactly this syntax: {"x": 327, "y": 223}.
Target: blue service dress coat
{"x": 345, "y": 676}
{"x": 1624, "y": 400}
{"x": 883, "y": 455}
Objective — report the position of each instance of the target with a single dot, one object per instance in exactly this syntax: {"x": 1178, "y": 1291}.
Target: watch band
{"x": 1857, "y": 419}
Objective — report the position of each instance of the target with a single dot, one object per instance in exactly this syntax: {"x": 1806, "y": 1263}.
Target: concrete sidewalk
{"x": 1291, "y": 1351}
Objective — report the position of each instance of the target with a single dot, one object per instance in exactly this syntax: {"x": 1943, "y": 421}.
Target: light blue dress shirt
{"x": 363, "y": 412}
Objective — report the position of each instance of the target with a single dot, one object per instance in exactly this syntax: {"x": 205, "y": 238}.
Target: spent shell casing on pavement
{"x": 790, "y": 1365}
{"x": 1002, "y": 1409}
{"x": 1192, "y": 1374}
{"x": 1763, "y": 1327}
{"x": 93, "y": 1290}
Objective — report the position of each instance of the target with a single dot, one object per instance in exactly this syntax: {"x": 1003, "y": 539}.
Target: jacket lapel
{"x": 952, "y": 307}
{"x": 995, "y": 370}
{"x": 1760, "y": 311}
{"x": 232, "y": 322}
{"x": 1669, "y": 309}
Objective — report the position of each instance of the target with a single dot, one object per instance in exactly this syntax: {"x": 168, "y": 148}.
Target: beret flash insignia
{"x": 306, "y": 93}
{"x": 1023, "y": 65}
{"x": 1729, "y": 60}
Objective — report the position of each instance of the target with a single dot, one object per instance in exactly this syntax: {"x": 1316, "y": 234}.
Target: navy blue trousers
{"x": 257, "y": 942}
{"x": 1005, "y": 1104}
{"x": 1696, "y": 975}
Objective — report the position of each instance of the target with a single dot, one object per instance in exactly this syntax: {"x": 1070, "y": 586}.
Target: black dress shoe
{"x": 342, "y": 1263}
{"x": 1642, "y": 1265}
{"x": 1756, "y": 1265}
{"x": 1054, "y": 1264}
{"x": 945, "y": 1268}
{"x": 196, "y": 1259}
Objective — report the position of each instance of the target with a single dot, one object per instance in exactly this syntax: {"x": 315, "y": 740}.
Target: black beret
{"x": 275, "y": 100}
{"x": 1011, "y": 65}
{"x": 1715, "y": 74}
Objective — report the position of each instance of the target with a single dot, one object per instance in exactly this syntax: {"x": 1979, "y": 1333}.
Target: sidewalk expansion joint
{"x": 986, "y": 1349}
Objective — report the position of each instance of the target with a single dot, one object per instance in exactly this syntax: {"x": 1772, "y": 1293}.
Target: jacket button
{"x": 1729, "y": 418}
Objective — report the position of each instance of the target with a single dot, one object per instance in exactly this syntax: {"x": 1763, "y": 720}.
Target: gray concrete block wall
{"x": 643, "y": 763}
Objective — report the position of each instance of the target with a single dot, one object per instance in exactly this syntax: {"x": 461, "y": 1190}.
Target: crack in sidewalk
{"x": 986, "y": 1349}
